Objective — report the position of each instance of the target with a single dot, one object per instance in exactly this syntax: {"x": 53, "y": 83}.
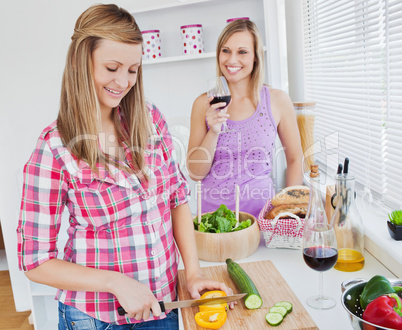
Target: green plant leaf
{"x": 396, "y": 217}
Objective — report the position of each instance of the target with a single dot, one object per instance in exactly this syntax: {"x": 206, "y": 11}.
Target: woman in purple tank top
{"x": 244, "y": 155}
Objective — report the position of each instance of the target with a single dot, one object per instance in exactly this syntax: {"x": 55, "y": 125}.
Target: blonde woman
{"x": 257, "y": 112}
{"x": 108, "y": 161}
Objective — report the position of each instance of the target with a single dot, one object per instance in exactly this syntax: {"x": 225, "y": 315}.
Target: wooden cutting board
{"x": 272, "y": 288}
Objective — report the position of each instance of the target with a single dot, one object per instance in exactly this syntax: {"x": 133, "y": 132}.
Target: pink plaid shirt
{"x": 116, "y": 222}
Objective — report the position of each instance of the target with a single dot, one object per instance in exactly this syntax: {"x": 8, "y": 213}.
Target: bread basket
{"x": 281, "y": 232}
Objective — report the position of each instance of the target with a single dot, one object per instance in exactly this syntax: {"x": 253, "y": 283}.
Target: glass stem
{"x": 320, "y": 286}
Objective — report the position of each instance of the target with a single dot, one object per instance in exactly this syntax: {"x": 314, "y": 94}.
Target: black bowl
{"x": 395, "y": 231}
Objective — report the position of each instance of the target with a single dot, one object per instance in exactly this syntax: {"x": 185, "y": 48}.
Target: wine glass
{"x": 320, "y": 253}
{"x": 218, "y": 88}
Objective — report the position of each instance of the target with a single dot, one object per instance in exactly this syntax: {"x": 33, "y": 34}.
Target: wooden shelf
{"x": 182, "y": 58}
{"x": 179, "y": 58}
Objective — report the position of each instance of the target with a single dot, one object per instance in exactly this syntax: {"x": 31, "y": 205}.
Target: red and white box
{"x": 151, "y": 44}
{"x": 192, "y": 39}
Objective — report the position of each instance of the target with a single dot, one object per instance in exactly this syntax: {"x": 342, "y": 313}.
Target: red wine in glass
{"x": 218, "y": 89}
{"x": 320, "y": 251}
{"x": 320, "y": 258}
{"x": 218, "y": 99}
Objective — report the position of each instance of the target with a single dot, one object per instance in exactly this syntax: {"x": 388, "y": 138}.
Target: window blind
{"x": 353, "y": 71}
{"x": 393, "y": 124}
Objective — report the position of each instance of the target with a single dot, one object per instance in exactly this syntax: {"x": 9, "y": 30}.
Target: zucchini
{"x": 274, "y": 319}
{"x": 244, "y": 283}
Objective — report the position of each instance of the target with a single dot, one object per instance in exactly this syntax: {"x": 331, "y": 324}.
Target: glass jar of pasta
{"x": 305, "y": 122}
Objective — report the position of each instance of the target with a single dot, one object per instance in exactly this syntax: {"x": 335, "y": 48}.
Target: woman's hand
{"x": 198, "y": 284}
{"x": 203, "y": 141}
{"x": 136, "y": 298}
{"x": 216, "y": 117}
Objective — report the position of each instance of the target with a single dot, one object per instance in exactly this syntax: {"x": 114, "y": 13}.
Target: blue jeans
{"x": 71, "y": 318}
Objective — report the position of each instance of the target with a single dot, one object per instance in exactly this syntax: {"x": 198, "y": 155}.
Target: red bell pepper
{"x": 385, "y": 311}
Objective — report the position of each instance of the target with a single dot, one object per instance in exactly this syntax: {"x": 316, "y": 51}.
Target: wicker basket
{"x": 281, "y": 233}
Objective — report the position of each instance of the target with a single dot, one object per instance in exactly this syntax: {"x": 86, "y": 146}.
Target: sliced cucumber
{"x": 286, "y": 304}
{"x": 274, "y": 319}
{"x": 244, "y": 284}
{"x": 277, "y": 313}
{"x": 279, "y": 309}
{"x": 253, "y": 301}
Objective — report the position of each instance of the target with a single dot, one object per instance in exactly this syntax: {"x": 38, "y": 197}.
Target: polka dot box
{"x": 151, "y": 44}
{"x": 192, "y": 40}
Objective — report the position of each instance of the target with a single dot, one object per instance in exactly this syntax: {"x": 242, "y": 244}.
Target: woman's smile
{"x": 233, "y": 69}
{"x": 114, "y": 92}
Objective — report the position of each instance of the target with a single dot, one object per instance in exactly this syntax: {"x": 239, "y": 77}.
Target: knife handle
{"x": 121, "y": 310}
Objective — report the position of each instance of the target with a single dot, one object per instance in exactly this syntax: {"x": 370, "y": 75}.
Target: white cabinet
{"x": 173, "y": 81}
{"x": 44, "y": 306}
{"x": 211, "y": 14}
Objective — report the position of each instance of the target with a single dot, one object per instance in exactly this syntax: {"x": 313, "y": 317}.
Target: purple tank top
{"x": 244, "y": 157}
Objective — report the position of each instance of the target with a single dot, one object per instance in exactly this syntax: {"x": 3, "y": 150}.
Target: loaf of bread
{"x": 292, "y": 195}
{"x": 297, "y": 209}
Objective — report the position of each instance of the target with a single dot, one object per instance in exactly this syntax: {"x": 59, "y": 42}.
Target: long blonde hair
{"x": 257, "y": 74}
{"x": 79, "y": 117}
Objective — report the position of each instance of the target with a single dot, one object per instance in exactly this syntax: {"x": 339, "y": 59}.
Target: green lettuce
{"x": 222, "y": 220}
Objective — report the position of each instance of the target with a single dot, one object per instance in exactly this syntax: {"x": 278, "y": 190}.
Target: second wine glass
{"x": 320, "y": 251}
{"x": 218, "y": 89}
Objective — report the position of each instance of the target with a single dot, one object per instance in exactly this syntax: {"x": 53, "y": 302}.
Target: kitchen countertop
{"x": 304, "y": 281}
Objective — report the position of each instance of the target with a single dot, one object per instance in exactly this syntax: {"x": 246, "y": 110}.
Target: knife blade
{"x": 193, "y": 303}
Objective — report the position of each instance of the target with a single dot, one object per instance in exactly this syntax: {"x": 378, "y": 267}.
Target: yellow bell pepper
{"x": 217, "y": 307}
{"x": 211, "y": 319}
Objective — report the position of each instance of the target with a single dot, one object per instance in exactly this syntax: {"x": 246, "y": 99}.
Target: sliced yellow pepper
{"x": 217, "y": 307}
{"x": 211, "y": 319}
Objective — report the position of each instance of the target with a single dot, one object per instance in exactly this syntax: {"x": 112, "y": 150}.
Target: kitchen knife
{"x": 346, "y": 166}
{"x": 193, "y": 303}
